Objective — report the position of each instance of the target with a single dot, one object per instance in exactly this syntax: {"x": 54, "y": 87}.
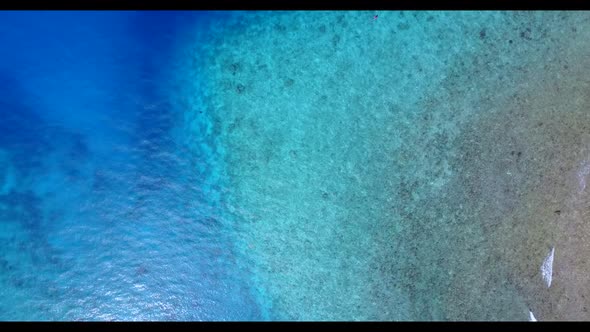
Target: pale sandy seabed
{"x": 420, "y": 166}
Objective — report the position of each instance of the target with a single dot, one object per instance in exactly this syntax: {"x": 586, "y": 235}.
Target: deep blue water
{"x": 102, "y": 217}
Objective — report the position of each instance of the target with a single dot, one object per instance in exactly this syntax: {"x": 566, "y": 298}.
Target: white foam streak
{"x": 547, "y": 267}
{"x": 532, "y": 317}
{"x": 583, "y": 174}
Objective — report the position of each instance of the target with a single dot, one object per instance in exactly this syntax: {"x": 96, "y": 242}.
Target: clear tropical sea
{"x": 294, "y": 165}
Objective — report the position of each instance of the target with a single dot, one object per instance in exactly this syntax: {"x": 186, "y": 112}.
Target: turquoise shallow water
{"x": 294, "y": 165}
{"x": 406, "y": 167}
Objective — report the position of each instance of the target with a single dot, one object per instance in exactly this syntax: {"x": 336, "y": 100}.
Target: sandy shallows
{"x": 407, "y": 167}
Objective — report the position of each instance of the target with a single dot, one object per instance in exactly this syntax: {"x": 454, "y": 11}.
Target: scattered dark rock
{"x": 240, "y": 88}
{"x": 482, "y": 34}
{"x": 526, "y": 34}
{"x": 289, "y": 82}
{"x": 18, "y": 282}
{"x": 234, "y": 68}
{"x": 322, "y": 28}
{"x": 335, "y": 40}
{"x": 232, "y": 126}
{"x": 557, "y": 212}
{"x": 4, "y": 265}
{"x": 280, "y": 27}
{"x": 403, "y": 26}
{"x": 340, "y": 20}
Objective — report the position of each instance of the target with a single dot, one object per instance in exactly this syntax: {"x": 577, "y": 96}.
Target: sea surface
{"x": 294, "y": 165}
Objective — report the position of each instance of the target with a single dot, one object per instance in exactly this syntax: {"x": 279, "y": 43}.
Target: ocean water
{"x": 103, "y": 213}
{"x": 325, "y": 165}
